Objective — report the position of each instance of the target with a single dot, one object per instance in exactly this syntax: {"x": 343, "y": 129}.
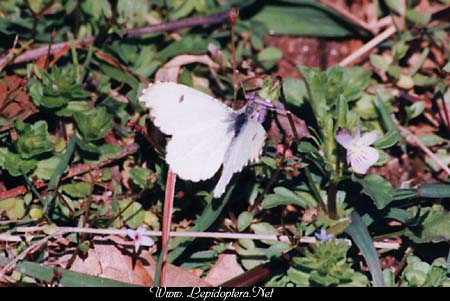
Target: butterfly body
{"x": 206, "y": 134}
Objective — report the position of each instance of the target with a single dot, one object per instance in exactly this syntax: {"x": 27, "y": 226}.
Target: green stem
{"x": 315, "y": 191}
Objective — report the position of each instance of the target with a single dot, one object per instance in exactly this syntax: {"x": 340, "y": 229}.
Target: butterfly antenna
{"x": 288, "y": 113}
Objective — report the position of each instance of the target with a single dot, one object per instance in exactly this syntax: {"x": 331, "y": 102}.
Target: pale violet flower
{"x": 323, "y": 236}
{"x": 360, "y": 156}
{"x": 139, "y": 238}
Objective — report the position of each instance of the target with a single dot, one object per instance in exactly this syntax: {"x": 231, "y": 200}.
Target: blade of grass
{"x": 59, "y": 171}
{"x": 360, "y": 235}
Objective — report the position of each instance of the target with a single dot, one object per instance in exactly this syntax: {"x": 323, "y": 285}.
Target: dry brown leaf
{"x": 111, "y": 260}
{"x": 113, "y": 257}
{"x": 225, "y": 268}
{"x": 169, "y": 72}
{"x": 14, "y": 101}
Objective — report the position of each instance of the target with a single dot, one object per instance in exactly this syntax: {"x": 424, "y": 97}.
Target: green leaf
{"x": 265, "y": 228}
{"x": 306, "y": 19}
{"x": 434, "y": 190}
{"x": 269, "y": 56}
{"x": 15, "y": 165}
{"x": 141, "y": 176}
{"x": 183, "y": 9}
{"x": 379, "y": 62}
{"x": 396, "y": 6}
{"x": 421, "y": 80}
{"x": 417, "y": 17}
{"x": 386, "y": 116}
{"x": 119, "y": 75}
{"x": 93, "y": 124}
{"x": 415, "y": 110}
{"x": 33, "y": 139}
{"x": 13, "y": 207}
{"x": 45, "y": 168}
{"x": 431, "y": 140}
{"x": 189, "y": 44}
{"x": 134, "y": 215}
{"x": 377, "y": 188}
{"x": 77, "y": 190}
{"x": 283, "y": 197}
{"x": 360, "y": 235}
{"x": 387, "y": 140}
{"x": 446, "y": 68}
{"x": 244, "y": 220}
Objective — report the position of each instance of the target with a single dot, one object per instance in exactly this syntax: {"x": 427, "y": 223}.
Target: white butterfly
{"x": 205, "y": 132}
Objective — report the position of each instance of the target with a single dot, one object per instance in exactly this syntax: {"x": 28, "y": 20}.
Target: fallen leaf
{"x": 113, "y": 257}
{"x": 225, "y": 268}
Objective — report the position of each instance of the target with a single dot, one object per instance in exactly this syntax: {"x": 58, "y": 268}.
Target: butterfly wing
{"x": 245, "y": 147}
{"x": 199, "y": 124}
{"x": 178, "y": 108}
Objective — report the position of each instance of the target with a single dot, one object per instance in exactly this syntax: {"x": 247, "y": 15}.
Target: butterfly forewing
{"x": 205, "y": 133}
{"x": 177, "y": 108}
{"x": 199, "y": 125}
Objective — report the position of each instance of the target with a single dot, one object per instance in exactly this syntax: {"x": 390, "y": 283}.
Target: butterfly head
{"x": 257, "y": 108}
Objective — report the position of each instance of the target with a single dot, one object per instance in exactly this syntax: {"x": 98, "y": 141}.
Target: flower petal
{"x": 368, "y": 139}
{"x": 364, "y": 159}
{"x": 147, "y": 241}
{"x": 131, "y": 233}
{"x": 344, "y": 138}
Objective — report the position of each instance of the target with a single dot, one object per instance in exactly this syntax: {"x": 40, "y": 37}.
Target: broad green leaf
{"x": 379, "y": 62}
{"x": 141, "y": 177}
{"x": 308, "y": 19}
{"x": 14, "y": 208}
{"x": 415, "y": 110}
{"x": 77, "y": 190}
{"x": 93, "y": 124}
{"x": 16, "y": 165}
{"x": 377, "y": 188}
{"x": 265, "y": 228}
{"x": 134, "y": 215}
{"x": 283, "y": 197}
{"x": 244, "y": 220}
{"x": 269, "y": 56}
{"x": 431, "y": 140}
{"x": 45, "y": 168}
{"x": 33, "y": 139}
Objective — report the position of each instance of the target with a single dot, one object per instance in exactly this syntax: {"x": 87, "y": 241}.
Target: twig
{"x": 221, "y": 235}
{"x": 9, "y": 237}
{"x": 167, "y": 221}
{"x": 368, "y": 46}
{"x": 129, "y": 33}
{"x": 11, "y": 265}
{"x": 349, "y": 16}
{"x": 424, "y": 148}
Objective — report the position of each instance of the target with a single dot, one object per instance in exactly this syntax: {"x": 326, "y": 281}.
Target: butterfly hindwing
{"x": 198, "y": 155}
{"x": 244, "y": 148}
